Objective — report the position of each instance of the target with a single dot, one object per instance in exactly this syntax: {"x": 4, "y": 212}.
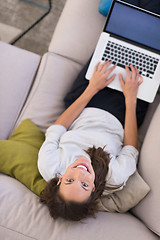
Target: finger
{"x": 106, "y": 64}
{"x": 134, "y": 72}
{"x": 111, "y": 79}
{"x": 96, "y": 67}
{"x": 121, "y": 80}
{"x": 102, "y": 66}
{"x": 141, "y": 80}
{"x": 127, "y": 73}
{"x": 110, "y": 70}
{"x": 137, "y": 72}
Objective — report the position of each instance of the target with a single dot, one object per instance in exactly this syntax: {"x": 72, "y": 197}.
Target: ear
{"x": 93, "y": 188}
{"x": 59, "y": 181}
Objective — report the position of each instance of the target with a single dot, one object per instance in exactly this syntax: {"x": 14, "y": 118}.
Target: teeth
{"x": 81, "y": 166}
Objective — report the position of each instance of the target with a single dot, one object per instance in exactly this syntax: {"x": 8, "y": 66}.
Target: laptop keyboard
{"x": 122, "y": 56}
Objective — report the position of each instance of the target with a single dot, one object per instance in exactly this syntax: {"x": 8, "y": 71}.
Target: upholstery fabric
{"x": 15, "y": 83}
{"x": 73, "y": 38}
{"x": 121, "y": 201}
{"x": 54, "y": 80}
{"x": 149, "y": 167}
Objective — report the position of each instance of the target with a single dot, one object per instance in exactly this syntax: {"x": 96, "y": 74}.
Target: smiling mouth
{"x": 84, "y": 166}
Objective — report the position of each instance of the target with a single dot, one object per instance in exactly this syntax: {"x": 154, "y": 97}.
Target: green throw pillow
{"x": 19, "y": 155}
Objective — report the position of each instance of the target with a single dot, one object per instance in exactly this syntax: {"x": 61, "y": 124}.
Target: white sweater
{"x": 93, "y": 127}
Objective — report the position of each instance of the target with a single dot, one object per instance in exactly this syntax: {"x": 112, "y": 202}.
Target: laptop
{"x": 131, "y": 36}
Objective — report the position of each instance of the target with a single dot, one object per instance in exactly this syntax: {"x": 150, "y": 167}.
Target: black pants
{"x": 108, "y": 99}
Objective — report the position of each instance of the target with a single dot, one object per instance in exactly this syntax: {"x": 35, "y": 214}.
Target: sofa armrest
{"x": 149, "y": 167}
{"x": 17, "y": 71}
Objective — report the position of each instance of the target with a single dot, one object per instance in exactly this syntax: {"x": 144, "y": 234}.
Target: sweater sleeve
{"x": 49, "y": 154}
{"x": 123, "y": 166}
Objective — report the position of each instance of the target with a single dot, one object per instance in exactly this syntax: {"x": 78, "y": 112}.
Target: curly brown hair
{"x": 58, "y": 207}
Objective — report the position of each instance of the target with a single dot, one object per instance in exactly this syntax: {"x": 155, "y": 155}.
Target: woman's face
{"x": 77, "y": 183}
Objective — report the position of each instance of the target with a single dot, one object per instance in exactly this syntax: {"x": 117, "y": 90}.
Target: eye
{"x": 69, "y": 180}
{"x": 84, "y": 184}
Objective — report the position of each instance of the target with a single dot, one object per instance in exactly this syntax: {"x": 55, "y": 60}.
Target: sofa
{"x": 33, "y": 87}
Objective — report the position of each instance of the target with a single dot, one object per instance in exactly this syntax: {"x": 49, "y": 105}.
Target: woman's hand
{"x": 100, "y": 77}
{"x": 130, "y": 86}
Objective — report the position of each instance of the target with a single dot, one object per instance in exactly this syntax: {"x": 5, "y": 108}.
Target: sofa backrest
{"x": 78, "y": 30}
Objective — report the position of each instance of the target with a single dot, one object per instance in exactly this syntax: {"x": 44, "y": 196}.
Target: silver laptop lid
{"x": 135, "y": 25}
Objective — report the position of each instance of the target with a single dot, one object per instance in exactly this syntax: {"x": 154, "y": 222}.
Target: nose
{"x": 80, "y": 172}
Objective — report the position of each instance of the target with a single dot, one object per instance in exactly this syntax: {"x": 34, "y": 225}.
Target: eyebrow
{"x": 81, "y": 186}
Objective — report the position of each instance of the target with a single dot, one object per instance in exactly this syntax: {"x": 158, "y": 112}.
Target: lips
{"x": 81, "y": 166}
{"x": 84, "y": 166}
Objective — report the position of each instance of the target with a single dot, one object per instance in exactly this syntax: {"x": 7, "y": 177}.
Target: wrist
{"x": 91, "y": 91}
{"x": 130, "y": 103}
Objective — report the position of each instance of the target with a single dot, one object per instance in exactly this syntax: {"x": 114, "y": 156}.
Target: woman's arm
{"x": 98, "y": 81}
{"x": 130, "y": 89}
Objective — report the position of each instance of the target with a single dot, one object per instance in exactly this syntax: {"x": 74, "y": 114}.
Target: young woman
{"x": 92, "y": 146}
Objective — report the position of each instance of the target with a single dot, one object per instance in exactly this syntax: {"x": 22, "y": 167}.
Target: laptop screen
{"x": 133, "y": 24}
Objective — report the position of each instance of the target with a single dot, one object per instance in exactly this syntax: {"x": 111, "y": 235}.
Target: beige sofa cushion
{"x": 78, "y": 30}
{"x": 121, "y": 201}
{"x": 17, "y": 70}
{"x": 24, "y": 216}
{"x": 54, "y": 80}
{"x": 149, "y": 167}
